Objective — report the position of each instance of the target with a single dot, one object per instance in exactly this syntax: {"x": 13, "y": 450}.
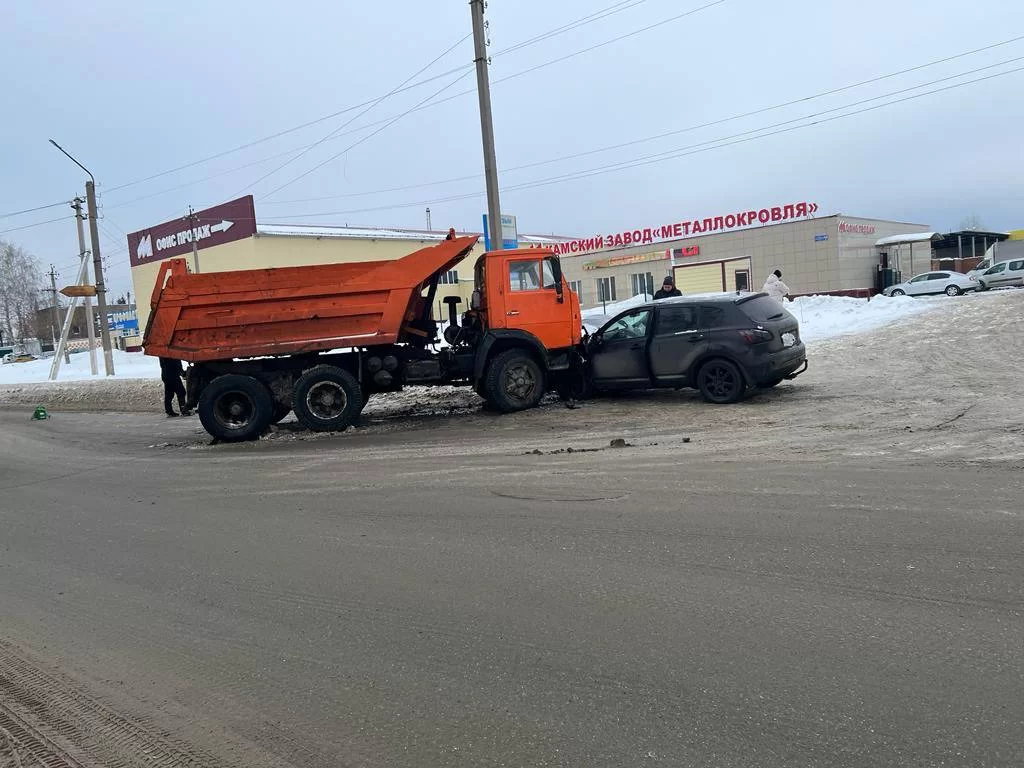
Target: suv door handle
{"x": 696, "y": 337}
{"x": 512, "y": 313}
{"x": 636, "y": 346}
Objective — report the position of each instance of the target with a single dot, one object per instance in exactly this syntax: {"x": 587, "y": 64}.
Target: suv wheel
{"x": 720, "y": 382}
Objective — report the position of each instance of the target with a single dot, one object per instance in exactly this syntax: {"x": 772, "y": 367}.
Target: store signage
{"x": 509, "y": 233}
{"x": 856, "y": 229}
{"x": 821, "y": 238}
{"x": 632, "y": 258}
{"x": 221, "y": 224}
{"x": 124, "y": 322}
{"x": 687, "y": 228}
{"x": 690, "y": 250}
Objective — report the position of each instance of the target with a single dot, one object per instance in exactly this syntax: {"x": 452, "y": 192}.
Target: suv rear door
{"x": 678, "y": 341}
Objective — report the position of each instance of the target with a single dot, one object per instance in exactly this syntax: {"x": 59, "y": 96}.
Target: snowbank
{"x": 821, "y": 317}
{"x": 127, "y": 365}
{"x": 826, "y": 317}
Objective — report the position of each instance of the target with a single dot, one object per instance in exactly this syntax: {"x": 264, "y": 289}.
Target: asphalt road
{"x": 446, "y": 596}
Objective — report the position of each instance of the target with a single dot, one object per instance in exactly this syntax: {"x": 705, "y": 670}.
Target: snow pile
{"x": 127, "y": 365}
{"x": 821, "y": 317}
{"x": 826, "y": 317}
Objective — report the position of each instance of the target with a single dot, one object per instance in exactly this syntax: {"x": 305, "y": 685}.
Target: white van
{"x": 1003, "y": 274}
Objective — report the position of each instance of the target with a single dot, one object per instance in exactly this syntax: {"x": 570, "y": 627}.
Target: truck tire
{"x": 327, "y": 398}
{"x": 514, "y": 381}
{"x": 234, "y": 408}
{"x": 720, "y": 382}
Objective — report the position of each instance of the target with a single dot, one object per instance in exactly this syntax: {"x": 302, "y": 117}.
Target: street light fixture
{"x": 97, "y": 262}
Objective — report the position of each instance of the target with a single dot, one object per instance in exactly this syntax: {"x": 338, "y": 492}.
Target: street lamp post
{"x": 97, "y": 262}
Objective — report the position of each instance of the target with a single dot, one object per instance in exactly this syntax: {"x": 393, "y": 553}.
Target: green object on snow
{"x": 40, "y": 413}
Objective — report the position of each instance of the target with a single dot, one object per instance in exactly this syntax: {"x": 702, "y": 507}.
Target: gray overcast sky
{"x": 137, "y": 88}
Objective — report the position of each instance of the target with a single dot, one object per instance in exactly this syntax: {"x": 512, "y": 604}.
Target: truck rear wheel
{"x": 514, "y": 381}
{"x": 233, "y": 408}
{"x": 327, "y": 398}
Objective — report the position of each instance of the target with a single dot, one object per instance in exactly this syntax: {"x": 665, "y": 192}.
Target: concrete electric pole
{"x": 483, "y": 87}
{"x": 79, "y": 216}
{"x": 55, "y": 314}
{"x": 191, "y": 219}
{"x": 97, "y": 263}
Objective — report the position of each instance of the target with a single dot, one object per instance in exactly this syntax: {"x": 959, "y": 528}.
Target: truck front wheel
{"x": 327, "y": 398}
{"x": 233, "y": 408}
{"x": 514, "y": 381}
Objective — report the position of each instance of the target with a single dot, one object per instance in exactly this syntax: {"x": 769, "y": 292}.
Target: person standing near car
{"x": 171, "y": 374}
{"x": 668, "y": 289}
{"x": 775, "y": 288}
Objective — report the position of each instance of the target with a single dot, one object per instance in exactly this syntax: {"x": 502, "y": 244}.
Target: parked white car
{"x": 949, "y": 283}
{"x": 1002, "y": 274}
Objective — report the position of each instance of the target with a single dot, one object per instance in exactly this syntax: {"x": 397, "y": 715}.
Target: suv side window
{"x": 676, "y": 319}
{"x": 1016, "y": 265}
{"x": 996, "y": 269}
{"x": 631, "y": 326}
{"x": 712, "y": 317}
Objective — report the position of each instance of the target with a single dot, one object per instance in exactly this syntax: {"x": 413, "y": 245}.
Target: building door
{"x": 701, "y": 278}
{"x": 743, "y": 280}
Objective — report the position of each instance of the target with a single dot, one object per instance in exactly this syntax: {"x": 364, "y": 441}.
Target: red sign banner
{"x": 687, "y": 228}
{"x": 221, "y": 224}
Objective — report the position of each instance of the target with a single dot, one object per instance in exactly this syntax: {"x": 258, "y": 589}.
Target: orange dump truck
{"x": 320, "y": 340}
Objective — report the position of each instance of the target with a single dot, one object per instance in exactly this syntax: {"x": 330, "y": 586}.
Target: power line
{"x": 688, "y": 129}
{"x": 316, "y": 121}
{"x": 33, "y": 210}
{"x": 348, "y": 122}
{"x": 36, "y": 224}
{"x": 368, "y": 136}
{"x": 722, "y": 142}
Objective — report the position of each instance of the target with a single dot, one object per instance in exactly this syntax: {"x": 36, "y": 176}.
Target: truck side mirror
{"x": 556, "y": 273}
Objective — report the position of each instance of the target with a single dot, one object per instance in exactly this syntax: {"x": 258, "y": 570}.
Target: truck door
{"x": 532, "y": 304}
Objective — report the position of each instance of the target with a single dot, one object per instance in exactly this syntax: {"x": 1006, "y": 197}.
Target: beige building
{"x": 286, "y": 245}
{"x": 835, "y": 254}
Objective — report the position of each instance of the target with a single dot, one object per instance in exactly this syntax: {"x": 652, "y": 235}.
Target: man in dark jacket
{"x": 171, "y": 374}
{"x": 668, "y": 289}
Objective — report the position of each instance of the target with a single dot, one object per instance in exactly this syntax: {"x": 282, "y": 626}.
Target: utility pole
{"x": 483, "y": 88}
{"x": 77, "y": 205}
{"x": 97, "y": 262}
{"x": 55, "y": 314}
{"x": 101, "y": 288}
{"x": 191, "y": 219}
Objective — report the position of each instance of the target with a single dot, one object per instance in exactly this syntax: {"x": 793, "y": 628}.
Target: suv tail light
{"x": 756, "y": 335}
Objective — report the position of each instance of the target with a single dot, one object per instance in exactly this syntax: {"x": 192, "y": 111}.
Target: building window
{"x": 742, "y": 280}
{"x": 643, "y": 283}
{"x": 451, "y": 277}
{"x": 576, "y": 286}
{"x": 606, "y": 289}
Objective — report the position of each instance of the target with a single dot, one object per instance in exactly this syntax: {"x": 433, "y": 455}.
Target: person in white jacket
{"x": 774, "y": 286}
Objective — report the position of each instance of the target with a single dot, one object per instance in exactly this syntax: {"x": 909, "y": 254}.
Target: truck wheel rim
{"x": 234, "y": 410}
{"x": 520, "y": 382}
{"x": 326, "y": 400}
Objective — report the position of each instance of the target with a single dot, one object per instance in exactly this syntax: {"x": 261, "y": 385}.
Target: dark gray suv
{"x": 720, "y": 345}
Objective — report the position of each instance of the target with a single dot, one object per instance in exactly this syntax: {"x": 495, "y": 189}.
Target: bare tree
{"x": 20, "y": 281}
{"x": 971, "y": 222}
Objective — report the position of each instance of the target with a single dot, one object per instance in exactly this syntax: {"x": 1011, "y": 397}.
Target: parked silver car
{"x": 949, "y": 283}
{"x": 1002, "y": 274}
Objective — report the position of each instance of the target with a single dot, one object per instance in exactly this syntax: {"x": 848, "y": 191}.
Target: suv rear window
{"x": 762, "y": 308}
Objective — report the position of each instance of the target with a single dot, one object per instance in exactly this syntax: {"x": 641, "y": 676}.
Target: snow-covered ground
{"x": 127, "y": 365}
{"x": 821, "y": 317}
